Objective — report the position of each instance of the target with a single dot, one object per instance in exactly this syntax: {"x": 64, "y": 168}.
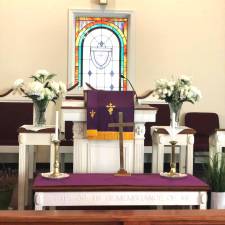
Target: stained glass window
{"x": 101, "y": 52}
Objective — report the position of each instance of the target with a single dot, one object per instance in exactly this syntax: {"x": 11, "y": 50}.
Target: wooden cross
{"x": 121, "y": 125}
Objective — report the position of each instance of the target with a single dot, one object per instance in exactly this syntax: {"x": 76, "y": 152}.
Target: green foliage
{"x": 215, "y": 173}
{"x": 42, "y": 78}
{"x": 5, "y": 198}
{"x": 8, "y": 180}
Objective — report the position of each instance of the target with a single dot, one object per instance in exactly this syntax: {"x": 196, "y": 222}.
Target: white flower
{"x": 18, "y": 84}
{"x": 34, "y": 88}
{"x": 171, "y": 84}
{"x": 54, "y": 86}
{"x": 196, "y": 93}
{"x": 169, "y": 93}
{"x": 48, "y": 94}
{"x": 58, "y": 87}
{"x": 164, "y": 91}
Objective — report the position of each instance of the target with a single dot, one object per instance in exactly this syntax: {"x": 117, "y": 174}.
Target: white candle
{"x": 56, "y": 125}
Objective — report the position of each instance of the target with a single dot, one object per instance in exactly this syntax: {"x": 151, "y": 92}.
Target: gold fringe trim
{"x": 108, "y": 135}
{"x": 92, "y": 133}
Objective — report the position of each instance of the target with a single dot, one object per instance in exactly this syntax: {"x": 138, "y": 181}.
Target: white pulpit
{"x": 102, "y": 156}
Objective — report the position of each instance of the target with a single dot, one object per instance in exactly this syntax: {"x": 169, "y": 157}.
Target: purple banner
{"x": 103, "y": 107}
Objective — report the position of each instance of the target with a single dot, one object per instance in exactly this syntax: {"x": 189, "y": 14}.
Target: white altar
{"x": 94, "y": 156}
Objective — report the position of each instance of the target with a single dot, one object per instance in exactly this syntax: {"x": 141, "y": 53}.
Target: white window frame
{"x": 99, "y": 13}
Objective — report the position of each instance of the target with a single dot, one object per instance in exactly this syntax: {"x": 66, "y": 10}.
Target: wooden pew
{"x": 114, "y": 217}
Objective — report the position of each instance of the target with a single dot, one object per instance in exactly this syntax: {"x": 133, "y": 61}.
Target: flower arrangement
{"x": 180, "y": 90}
{"x": 42, "y": 87}
{"x": 176, "y": 92}
{"x": 41, "y": 90}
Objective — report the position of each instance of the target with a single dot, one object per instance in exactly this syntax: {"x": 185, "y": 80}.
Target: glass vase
{"x": 175, "y": 109}
{"x": 40, "y": 109}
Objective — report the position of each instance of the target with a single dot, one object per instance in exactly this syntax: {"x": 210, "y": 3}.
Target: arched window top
{"x": 102, "y": 46}
{"x": 101, "y": 52}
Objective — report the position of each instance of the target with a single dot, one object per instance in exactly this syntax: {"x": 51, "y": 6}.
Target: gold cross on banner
{"x": 92, "y": 113}
{"x": 121, "y": 125}
{"x": 110, "y": 107}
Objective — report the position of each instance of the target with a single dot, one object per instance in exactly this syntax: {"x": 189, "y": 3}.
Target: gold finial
{"x": 92, "y": 113}
{"x": 110, "y": 107}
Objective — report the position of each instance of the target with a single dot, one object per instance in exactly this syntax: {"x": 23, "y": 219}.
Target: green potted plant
{"x": 8, "y": 181}
{"x": 216, "y": 179}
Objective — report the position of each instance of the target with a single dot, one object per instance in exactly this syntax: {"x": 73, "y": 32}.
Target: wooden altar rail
{"x": 114, "y": 217}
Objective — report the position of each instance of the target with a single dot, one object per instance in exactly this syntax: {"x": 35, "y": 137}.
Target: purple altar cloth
{"x": 137, "y": 180}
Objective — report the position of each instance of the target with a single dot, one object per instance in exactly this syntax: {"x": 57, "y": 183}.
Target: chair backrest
{"x": 204, "y": 123}
{"x": 68, "y": 140}
{"x": 12, "y": 116}
{"x": 162, "y": 119}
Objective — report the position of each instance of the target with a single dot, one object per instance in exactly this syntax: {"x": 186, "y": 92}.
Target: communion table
{"x": 110, "y": 190}
{"x": 97, "y": 156}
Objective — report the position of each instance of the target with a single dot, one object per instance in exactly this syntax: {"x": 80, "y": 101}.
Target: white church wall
{"x": 172, "y": 37}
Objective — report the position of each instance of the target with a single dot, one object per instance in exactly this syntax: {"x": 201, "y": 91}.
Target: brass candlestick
{"x": 172, "y": 173}
{"x": 56, "y": 173}
{"x": 173, "y": 159}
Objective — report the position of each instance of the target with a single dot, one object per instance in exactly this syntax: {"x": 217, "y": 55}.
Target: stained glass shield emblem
{"x": 101, "y": 56}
